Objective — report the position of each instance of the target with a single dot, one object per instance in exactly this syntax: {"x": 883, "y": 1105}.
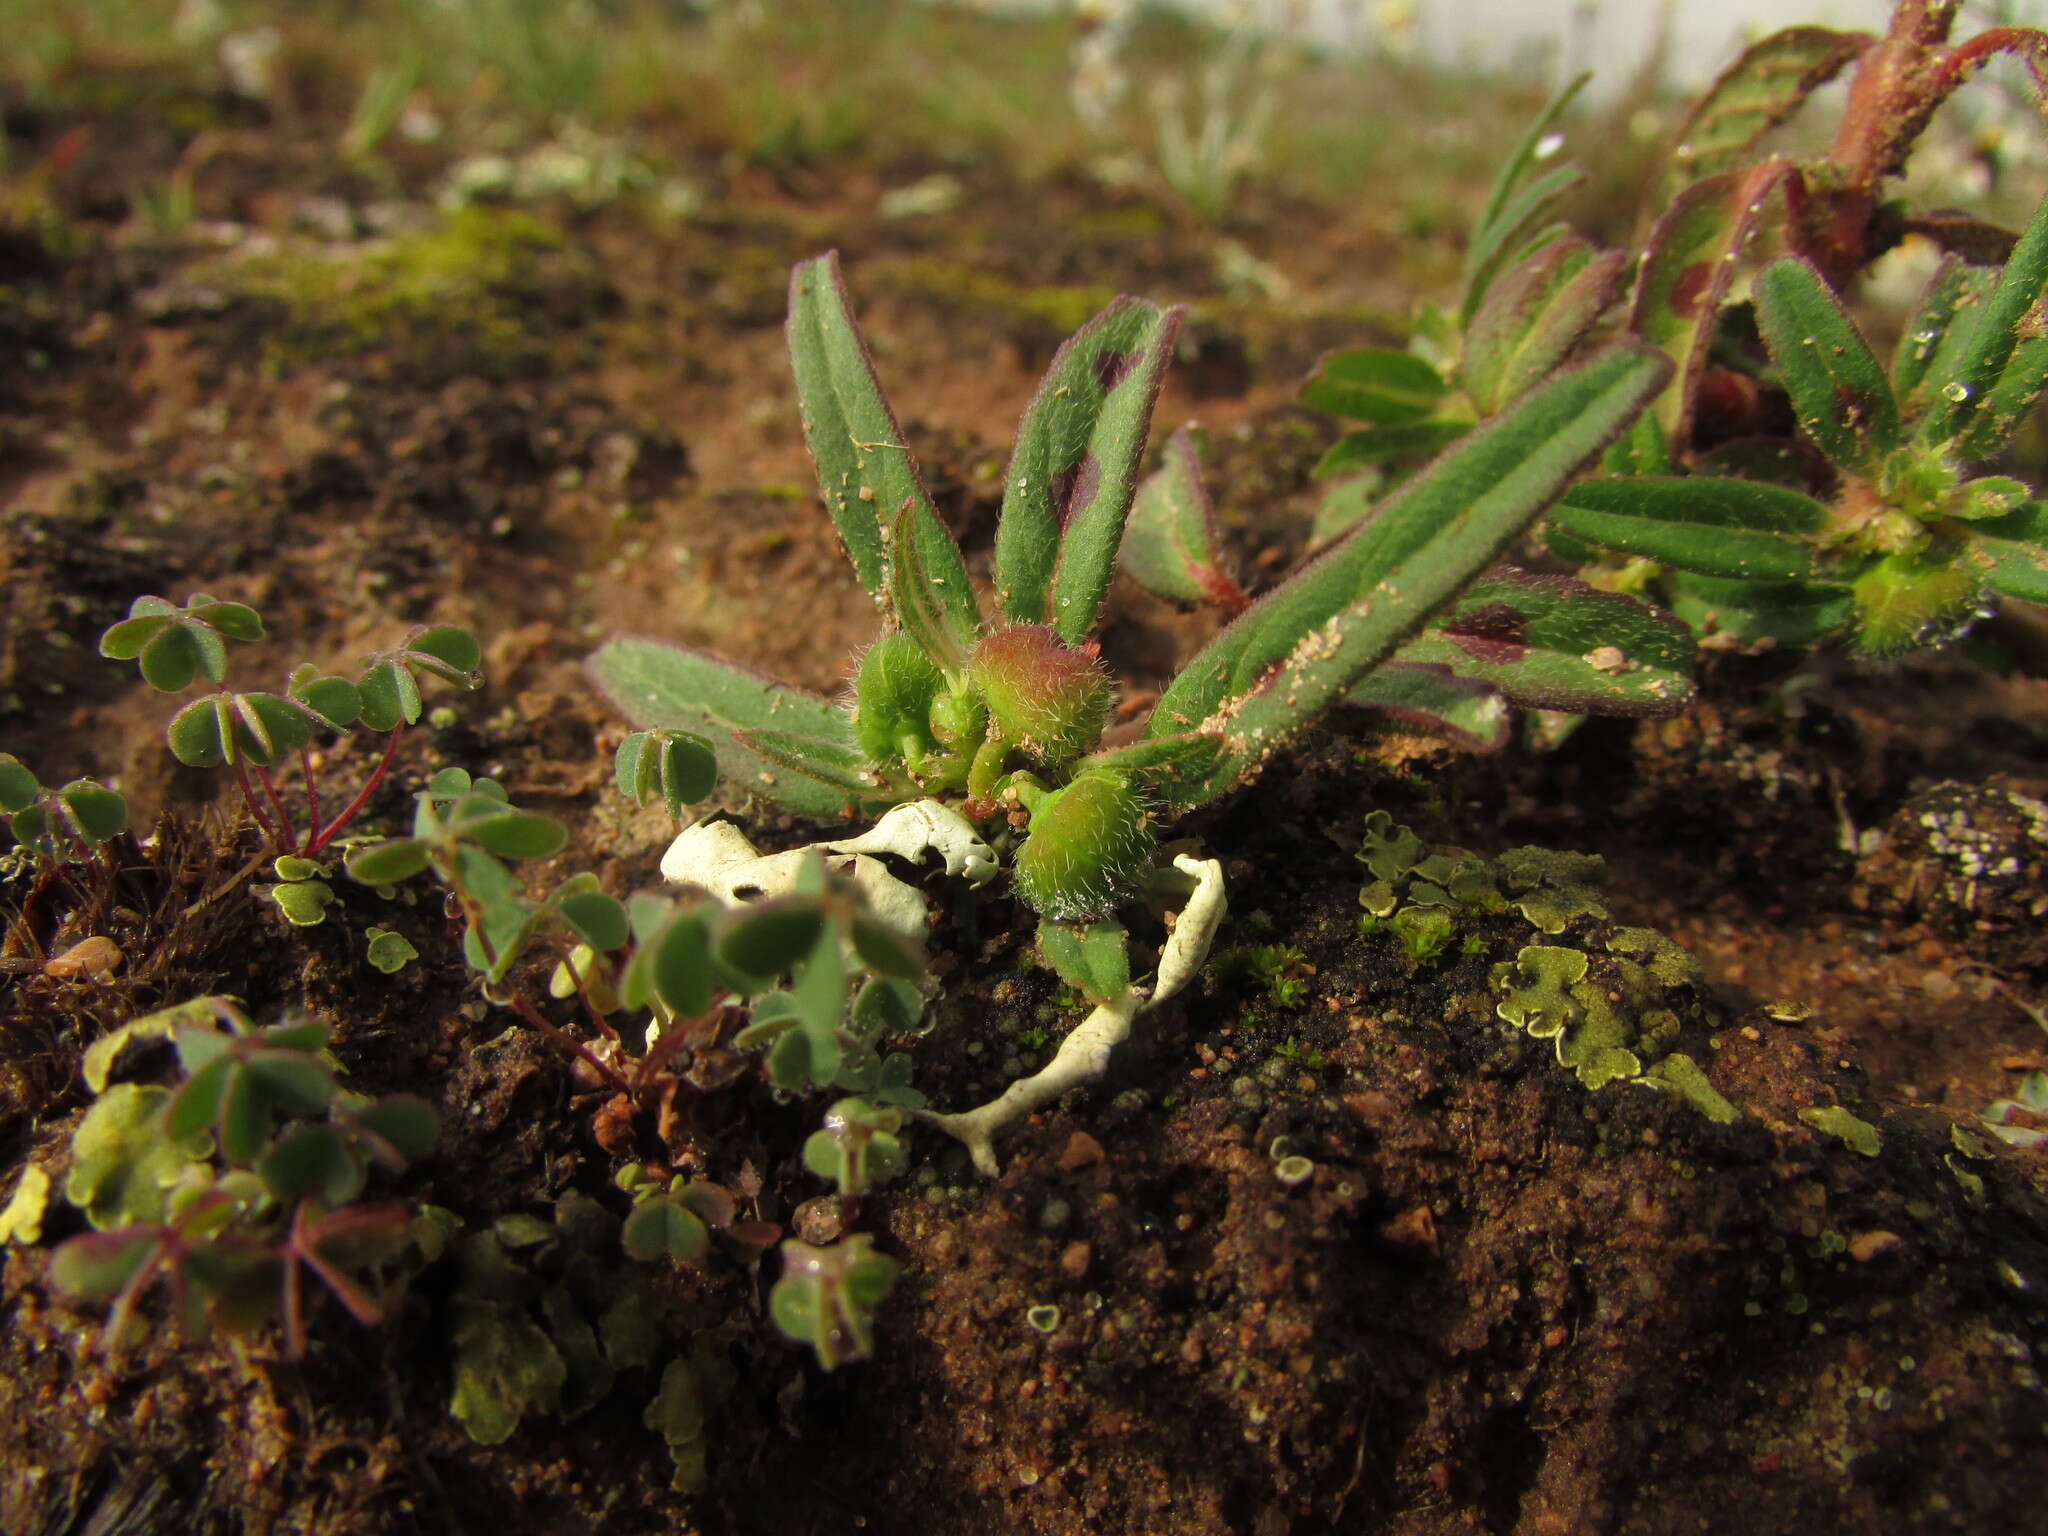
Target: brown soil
{"x": 1498, "y": 1304}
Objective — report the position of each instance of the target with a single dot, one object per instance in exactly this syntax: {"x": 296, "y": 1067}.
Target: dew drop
{"x": 1548, "y": 145}
{"x": 1955, "y": 391}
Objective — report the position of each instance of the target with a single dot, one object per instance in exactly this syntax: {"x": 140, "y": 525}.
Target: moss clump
{"x": 479, "y": 293}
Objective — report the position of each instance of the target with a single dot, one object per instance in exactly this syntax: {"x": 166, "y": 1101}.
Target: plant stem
{"x": 284, "y": 820}
{"x": 312, "y": 799}
{"x": 327, "y": 833}
{"x": 256, "y": 813}
{"x": 523, "y": 1005}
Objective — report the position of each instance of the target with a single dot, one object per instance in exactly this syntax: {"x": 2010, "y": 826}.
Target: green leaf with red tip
{"x": 1552, "y": 642}
{"x": 1172, "y": 546}
{"x": 1469, "y": 714}
{"x": 661, "y": 685}
{"x": 2011, "y": 552}
{"x": 928, "y": 590}
{"x": 1375, "y": 384}
{"x": 1761, "y": 89}
{"x": 1533, "y": 316}
{"x": 1736, "y": 529}
{"x": 1685, "y": 270}
{"x": 1838, "y": 388}
{"x": 1072, "y": 475}
{"x": 1299, "y": 649}
{"x": 1403, "y": 442}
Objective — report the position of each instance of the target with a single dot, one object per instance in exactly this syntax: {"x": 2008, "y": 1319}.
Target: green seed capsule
{"x": 893, "y": 695}
{"x": 1089, "y": 847}
{"x": 1045, "y": 698}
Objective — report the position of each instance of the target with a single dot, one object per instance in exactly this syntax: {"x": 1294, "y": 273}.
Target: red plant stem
{"x": 604, "y": 1025}
{"x": 255, "y": 807}
{"x": 327, "y": 833}
{"x": 568, "y": 1042}
{"x": 284, "y": 820}
{"x": 312, "y": 798}
{"x": 1961, "y": 61}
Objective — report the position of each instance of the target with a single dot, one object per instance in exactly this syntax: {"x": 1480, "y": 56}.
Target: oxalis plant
{"x": 987, "y": 732}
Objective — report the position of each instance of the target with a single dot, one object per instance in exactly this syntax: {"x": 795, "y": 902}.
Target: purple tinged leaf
{"x": 1074, "y": 471}
{"x": 1533, "y": 316}
{"x": 1172, "y": 546}
{"x": 1760, "y": 90}
{"x": 96, "y": 1265}
{"x": 1684, "y": 273}
{"x": 1839, "y": 392}
{"x": 1468, "y": 713}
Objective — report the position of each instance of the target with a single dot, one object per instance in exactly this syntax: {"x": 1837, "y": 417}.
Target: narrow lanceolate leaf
{"x": 2014, "y": 319}
{"x": 1508, "y": 206}
{"x": 1518, "y": 235}
{"x": 865, "y": 471}
{"x": 1552, "y": 642}
{"x": 1376, "y": 384}
{"x": 1464, "y": 711}
{"x": 1172, "y": 546}
{"x": 1533, "y": 317}
{"x": 1934, "y": 340}
{"x": 1296, "y": 651}
{"x": 927, "y": 588}
{"x": 1755, "y": 94}
{"x": 1075, "y": 468}
{"x": 2012, "y": 552}
{"x": 1684, "y": 274}
{"x": 1163, "y": 765}
{"x": 1838, "y": 389}
{"x": 655, "y": 684}
{"x": 1404, "y": 441}
{"x": 1731, "y": 528}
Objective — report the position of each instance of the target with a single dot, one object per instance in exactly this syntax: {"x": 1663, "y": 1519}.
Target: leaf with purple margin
{"x": 1760, "y": 90}
{"x": 1172, "y": 546}
{"x": 1534, "y": 316}
{"x": 1468, "y": 713}
{"x": 865, "y": 471}
{"x": 1074, "y": 470}
{"x": 1685, "y": 270}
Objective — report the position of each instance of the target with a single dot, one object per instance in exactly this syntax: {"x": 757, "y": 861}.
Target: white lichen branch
{"x": 1084, "y": 1054}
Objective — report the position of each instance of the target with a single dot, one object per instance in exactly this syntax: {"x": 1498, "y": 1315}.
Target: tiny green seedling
{"x": 255, "y": 733}
{"x": 64, "y": 826}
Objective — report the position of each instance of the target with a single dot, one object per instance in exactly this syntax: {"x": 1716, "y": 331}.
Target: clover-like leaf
{"x": 675, "y": 766}
{"x": 19, "y": 789}
{"x": 173, "y": 645}
{"x": 663, "y": 1227}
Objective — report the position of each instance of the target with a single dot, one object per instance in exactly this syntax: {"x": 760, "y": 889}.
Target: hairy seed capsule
{"x": 1046, "y": 698}
{"x": 892, "y": 696}
{"x": 1088, "y": 848}
{"x": 1907, "y": 601}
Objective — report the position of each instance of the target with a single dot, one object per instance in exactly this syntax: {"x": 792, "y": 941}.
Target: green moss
{"x": 477, "y": 293}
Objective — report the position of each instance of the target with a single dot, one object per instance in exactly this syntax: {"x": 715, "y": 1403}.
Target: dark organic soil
{"x": 1498, "y": 1303}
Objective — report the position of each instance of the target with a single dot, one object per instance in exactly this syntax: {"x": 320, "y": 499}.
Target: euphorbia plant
{"x": 1003, "y": 714}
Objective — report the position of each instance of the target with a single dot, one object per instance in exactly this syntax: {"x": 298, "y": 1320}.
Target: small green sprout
{"x": 827, "y": 1296}
{"x": 59, "y": 826}
{"x": 253, "y": 733}
{"x": 232, "y": 1189}
{"x": 857, "y": 1148}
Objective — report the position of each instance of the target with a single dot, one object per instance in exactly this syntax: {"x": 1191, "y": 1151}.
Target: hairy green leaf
{"x": 1408, "y": 440}
{"x": 1468, "y": 713}
{"x": 2012, "y": 552}
{"x": 928, "y": 591}
{"x": 1790, "y": 613}
{"x": 1301, "y": 647}
{"x": 1375, "y": 384}
{"x": 655, "y": 684}
{"x": 1740, "y": 529}
{"x": 1932, "y": 345}
{"x": 1533, "y": 317}
{"x": 2009, "y": 335}
{"x": 1074, "y": 470}
{"x": 1093, "y": 958}
{"x": 1838, "y": 389}
{"x": 1510, "y": 207}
